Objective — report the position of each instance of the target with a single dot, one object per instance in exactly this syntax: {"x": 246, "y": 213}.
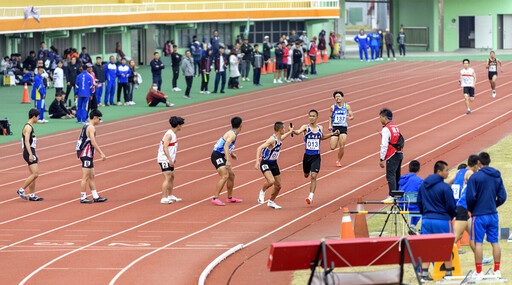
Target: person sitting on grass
{"x": 58, "y": 110}
{"x": 156, "y": 96}
{"x": 410, "y": 183}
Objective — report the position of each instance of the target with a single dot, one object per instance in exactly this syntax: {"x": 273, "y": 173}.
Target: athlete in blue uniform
{"x": 362, "y": 40}
{"x": 313, "y": 134}
{"x": 374, "y": 44}
{"x": 340, "y": 112}
{"x": 221, "y": 159}
{"x": 268, "y": 152}
{"x": 492, "y": 66}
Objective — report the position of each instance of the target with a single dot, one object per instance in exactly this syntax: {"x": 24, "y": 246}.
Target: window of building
{"x": 273, "y": 29}
{"x": 205, "y": 30}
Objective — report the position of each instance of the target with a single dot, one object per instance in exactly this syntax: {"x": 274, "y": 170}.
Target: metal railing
{"x": 200, "y": 6}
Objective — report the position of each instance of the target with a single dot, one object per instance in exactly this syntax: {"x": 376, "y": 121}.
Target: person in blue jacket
{"x": 410, "y": 183}
{"x": 84, "y": 87}
{"x": 39, "y": 94}
{"x": 196, "y": 50}
{"x": 122, "y": 73}
{"x": 375, "y": 40}
{"x": 437, "y": 207}
{"x": 362, "y": 40}
{"x": 484, "y": 193}
{"x": 156, "y": 70}
{"x": 110, "y": 81}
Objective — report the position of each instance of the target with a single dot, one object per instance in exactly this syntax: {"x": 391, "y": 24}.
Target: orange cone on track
{"x": 269, "y": 66}
{"x": 346, "y": 226}
{"x": 308, "y": 61}
{"x": 326, "y": 58}
{"x": 264, "y": 68}
{"x": 465, "y": 238}
{"x": 26, "y": 98}
{"x": 318, "y": 57}
{"x": 360, "y": 225}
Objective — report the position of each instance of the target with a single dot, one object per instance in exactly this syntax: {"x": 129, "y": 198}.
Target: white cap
{"x": 266, "y": 37}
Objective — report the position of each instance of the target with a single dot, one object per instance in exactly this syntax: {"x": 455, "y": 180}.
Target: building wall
{"x": 417, "y": 13}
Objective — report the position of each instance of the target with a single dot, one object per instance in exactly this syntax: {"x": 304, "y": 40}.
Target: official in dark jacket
{"x": 246, "y": 50}
{"x": 99, "y": 73}
{"x": 156, "y": 70}
{"x": 72, "y": 72}
{"x": 221, "y": 63}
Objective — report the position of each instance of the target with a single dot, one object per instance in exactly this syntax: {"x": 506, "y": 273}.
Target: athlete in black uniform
{"x": 492, "y": 66}
{"x": 28, "y": 141}
{"x": 85, "y": 149}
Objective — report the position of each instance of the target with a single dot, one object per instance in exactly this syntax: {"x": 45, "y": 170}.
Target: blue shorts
{"x": 485, "y": 224}
{"x": 431, "y": 226}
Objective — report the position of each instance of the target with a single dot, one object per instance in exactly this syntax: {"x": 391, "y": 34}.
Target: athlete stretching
{"x": 221, "y": 159}
{"x": 85, "y": 148}
{"x": 340, "y": 112}
{"x": 468, "y": 81}
{"x": 269, "y": 152}
{"x": 313, "y": 134}
{"x": 492, "y": 66}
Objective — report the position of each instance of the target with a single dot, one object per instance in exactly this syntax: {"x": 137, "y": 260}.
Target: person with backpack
{"x": 391, "y": 154}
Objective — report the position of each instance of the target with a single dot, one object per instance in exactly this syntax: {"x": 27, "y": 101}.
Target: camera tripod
{"x": 395, "y": 211}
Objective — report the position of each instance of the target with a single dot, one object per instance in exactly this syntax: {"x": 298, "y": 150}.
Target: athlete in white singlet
{"x": 166, "y": 158}
{"x": 468, "y": 81}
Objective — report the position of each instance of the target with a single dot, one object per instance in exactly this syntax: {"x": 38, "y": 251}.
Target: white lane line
{"x": 213, "y": 225}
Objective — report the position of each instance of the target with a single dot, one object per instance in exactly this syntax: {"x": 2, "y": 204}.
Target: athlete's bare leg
{"x": 30, "y": 182}
{"x": 230, "y": 182}
{"x": 312, "y": 186}
{"x": 277, "y": 187}
{"x": 269, "y": 180}
{"x": 167, "y": 184}
{"x": 466, "y": 100}
{"x": 334, "y": 142}
{"x": 224, "y": 175}
{"x": 86, "y": 175}
{"x": 341, "y": 142}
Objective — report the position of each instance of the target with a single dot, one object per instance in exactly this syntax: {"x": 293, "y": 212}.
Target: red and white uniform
{"x": 390, "y": 134}
{"x": 172, "y": 147}
{"x": 312, "y": 48}
{"x": 467, "y": 77}
{"x": 84, "y": 147}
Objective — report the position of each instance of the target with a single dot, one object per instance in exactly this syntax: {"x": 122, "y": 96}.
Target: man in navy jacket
{"x": 484, "y": 193}
{"x": 437, "y": 207}
{"x": 156, "y": 70}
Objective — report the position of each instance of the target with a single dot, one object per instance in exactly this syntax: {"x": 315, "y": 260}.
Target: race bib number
{"x": 340, "y": 119}
{"x": 492, "y": 68}
{"x": 165, "y": 165}
{"x": 467, "y": 80}
{"x": 264, "y": 167}
{"x": 87, "y": 163}
{"x": 274, "y": 156}
{"x": 313, "y": 144}
{"x": 219, "y": 161}
{"x": 456, "y": 191}
{"x": 78, "y": 143}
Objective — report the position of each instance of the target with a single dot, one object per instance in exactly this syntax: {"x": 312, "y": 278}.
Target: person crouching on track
{"x": 437, "y": 207}
{"x": 268, "y": 152}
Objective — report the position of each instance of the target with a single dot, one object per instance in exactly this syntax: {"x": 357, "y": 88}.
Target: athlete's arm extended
{"x": 450, "y": 179}
{"x": 268, "y": 143}
{"x": 302, "y": 129}
{"x": 285, "y": 135}
{"x": 26, "y": 134}
{"x": 487, "y": 65}
{"x": 350, "y": 113}
{"x": 474, "y": 79}
{"x": 501, "y": 67}
{"x": 167, "y": 141}
{"x": 326, "y": 136}
{"x": 90, "y": 134}
{"x": 330, "y": 117}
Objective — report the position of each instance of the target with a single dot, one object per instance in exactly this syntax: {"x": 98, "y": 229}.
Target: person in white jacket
{"x": 58, "y": 78}
{"x": 234, "y": 72}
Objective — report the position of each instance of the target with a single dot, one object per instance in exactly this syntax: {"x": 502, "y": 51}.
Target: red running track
{"x": 132, "y": 239}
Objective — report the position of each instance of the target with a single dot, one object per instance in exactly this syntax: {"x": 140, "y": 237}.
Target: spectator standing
{"x": 42, "y": 50}
{"x": 401, "y": 41}
{"x": 84, "y": 86}
{"x": 374, "y": 44}
{"x": 122, "y": 73}
{"x": 132, "y": 80}
{"x": 197, "y": 52}
{"x": 167, "y": 49}
{"x": 484, "y": 193}
{"x": 215, "y": 44}
{"x": 257, "y": 64}
{"x": 110, "y": 70}
{"x": 391, "y": 154}
{"x": 93, "y": 102}
{"x": 187, "y": 66}
{"x": 84, "y": 56}
{"x": 72, "y": 71}
{"x": 267, "y": 47}
{"x": 206, "y": 66}
{"x": 286, "y": 53}
{"x": 322, "y": 47}
{"x": 332, "y": 42}
{"x": 239, "y": 40}
{"x": 221, "y": 63}
{"x": 54, "y": 57}
{"x": 363, "y": 41}
{"x": 39, "y": 93}
{"x": 293, "y": 36}
{"x": 99, "y": 72}
{"x": 381, "y": 44}
{"x": 279, "y": 62}
{"x": 291, "y": 47}
{"x": 58, "y": 78}
{"x": 156, "y": 96}
{"x": 176, "y": 61}
{"x": 388, "y": 37}
{"x": 246, "y": 50}
{"x": 234, "y": 72}
{"x": 312, "y": 56}
{"x": 304, "y": 37}
{"x": 156, "y": 69}
{"x": 206, "y": 45}
{"x": 297, "y": 62}
{"x": 119, "y": 52}
{"x": 437, "y": 207}
{"x": 58, "y": 110}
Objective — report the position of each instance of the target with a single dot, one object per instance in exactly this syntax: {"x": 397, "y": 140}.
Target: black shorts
{"x": 165, "y": 166}
{"x": 470, "y": 91}
{"x": 462, "y": 214}
{"x": 218, "y": 159}
{"x": 492, "y": 73}
{"x": 311, "y": 163}
{"x": 270, "y": 166}
{"x": 343, "y": 130}
{"x": 279, "y": 66}
{"x": 87, "y": 162}
{"x": 26, "y": 157}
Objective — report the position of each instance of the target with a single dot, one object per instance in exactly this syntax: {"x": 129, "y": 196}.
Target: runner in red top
{"x": 389, "y": 154}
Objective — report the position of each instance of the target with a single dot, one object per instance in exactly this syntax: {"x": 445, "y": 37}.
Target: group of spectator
{"x": 375, "y": 41}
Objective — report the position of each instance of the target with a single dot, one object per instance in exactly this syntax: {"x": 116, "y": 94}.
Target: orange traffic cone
{"x": 326, "y": 58}
{"x": 269, "y": 66}
{"x": 360, "y": 225}
{"x": 264, "y": 68}
{"x": 346, "y": 226}
{"x": 318, "y": 57}
{"x": 26, "y": 98}
{"x": 274, "y": 66}
{"x": 308, "y": 61}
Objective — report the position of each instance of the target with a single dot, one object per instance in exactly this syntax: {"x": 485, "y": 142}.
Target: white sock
{"x": 22, "y": 190}
{"x": 32, "y": 195}
{"x": 83, "y": 195}
{"x": 311, "y": 195}
{"x": 95, "y": 194}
